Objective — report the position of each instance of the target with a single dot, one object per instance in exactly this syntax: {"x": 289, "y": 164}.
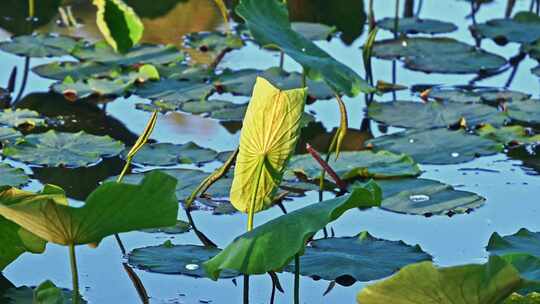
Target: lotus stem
{"x": 297, "y": 279}
{"x": 341, "y": 184}
{"x": 396, "y": 20}
{"x": 31, "y": 8}
{"x": 74, "y": 274}
{"x": 281, "y": 59}
{"x": 246, "y": 289}
{"x": 24, "y": 81}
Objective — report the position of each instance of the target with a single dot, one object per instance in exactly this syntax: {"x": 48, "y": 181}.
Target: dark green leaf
{"x": 10, "y": 176}
{"x": 416, "y": 26}
{"x": 40, "y": 45}
{"x": 167, "y": 154}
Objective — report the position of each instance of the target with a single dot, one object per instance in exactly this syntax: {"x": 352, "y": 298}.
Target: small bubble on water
{"x": 411, "y": 140}
{"x": 303, "y": 49}
{"x": 404, "y": 43}
{"x": 192, "y": 267}
{"x": 418, "y": 198}
{"x": 454, "y": 154}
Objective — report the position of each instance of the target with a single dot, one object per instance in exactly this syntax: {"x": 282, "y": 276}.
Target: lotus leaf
{"x": 268, "y": 21}
{"x": 74, "y": 70}
{"x": 40, "y": 45}
{"x": 63, "y": 149}
{"x": 21, "y": 117}
{"x": 179, "y": 228}
{"x": 519, "y": 29}
{"x": 10, "y": 176}
{"x": 489, "y": 283}
{"x": 509, "y": 135}
{"x": 213, "y": 43}
{"x": 112, "y": 208}
{"x": 525, "y": 111}
{"x": 174, "y": 91}
{"x": 273, "y": 245}
{"x": 167, "y": 154}
{"x": 143, "y": 54}
{"x": 313, "y": 31}
{"x": 8, "y": 134}
{"x": 467, "y": 94}
{"x": 176, "y": 259}
{"x": 417, "y": 26}
{"x": 359, "y": 258}
{"x": 437, "y": 146}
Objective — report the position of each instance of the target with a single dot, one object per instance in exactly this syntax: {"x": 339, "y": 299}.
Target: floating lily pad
{"x": 167, "y": 154}
{"x": 93, "y": 87}
{"x": 213, "y": 43}
{"x": 179, "y": 228}
{"x": 101, "y": 52}
{"x": 426, "y": 197}
{"x": 40, "y": 45}
{"x": 523, "y": 241}
{"x": 360, "y": 258}
{"x": 536, "y": 70}
{"x": 417, "y": 26}
{"x": 10, "y": 176}
{"x": 26, "y": 295}
{"x": 176, "y": 259}
{"x": 63, "y": 149}
{"x": 438, "y": 55}
{"x": 74, "y": 70}
{"x": 353, "y": 164}
{"x": 434, "y": 114}
{"x": 525, "y": 111}
{"x": 438, "y": 146}
{"x": 510, "y": 135}
{"x": 313, "y": 31}
{"x": 174, "y": 91}
{"x": 530, "y": 156}
{"x": 424, "y": 283}
{"x": 516, "y": 29}
{"x": 207, "y": 106}
{"x": 8, "y": 134}
{"x": 21, "y": 117}
{"x": 241, "y": 82}
{"x": 468, "y": 94}
{"x": 182, "y": 71}
{"x": 268, "y": 22}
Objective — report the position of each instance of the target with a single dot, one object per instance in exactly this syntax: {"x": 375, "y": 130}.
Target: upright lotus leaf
{"x": 528, "y": 267}
{"x": 523, "y": 241}
{"x": 509, "y": 135}
{"x": 270, "y": 131}
{"x": 424, "y": 283}
{"x": 515, "y": 298}
{"x": 359, "y": 258}
{"x": 268, "y": 21}
{"x": 119, "y": 24}
{"x": 273, "y": 245}
{"x": 48, "y": 293}
{"x": 355, "y": 164}
{"x": 434, "y": 114}
{"x": 63, "y": 149}
{"x": 111, "y": 208}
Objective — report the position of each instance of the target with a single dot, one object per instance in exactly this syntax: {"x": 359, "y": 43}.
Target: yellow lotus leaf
{"x": 270, "y": 131}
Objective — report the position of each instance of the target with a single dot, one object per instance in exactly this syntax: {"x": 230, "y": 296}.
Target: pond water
{"x": 511, "y": 190}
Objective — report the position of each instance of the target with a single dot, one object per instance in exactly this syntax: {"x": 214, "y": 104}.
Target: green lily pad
{"x": 467, "y": 94}
{"x": 359, "y": 258}
{"x": 63, "y": 149}
{"x": 533, "y": 49}
{"x": 489, "y": 283}
{"x": 167, "y": 154}
{"x": 206, "y": 106}
{"x": 509, "y": 135}
{"x": 8, "y": 134}
{"x": 40, "y": 45}
{"x": 188, "y": 180}
{"x": 268, "y": 22}
{"x": 74, "y": 70}
{"x": 182, "y": 71}
{"x": 354, "y": 164}
{"x": 27, "y": 295}
{"x": 417, "y": 26}
{"x": 438, "y": 55}
{"x": 516, "y": 29}
{"x": 273, "y": 245}
{"x": 93, "y": 87}
{"x": 434, "y": 114}
{"x": 523, "y": 241}
{"x": 174, "y": 91}
{"x": 313, "y": 31}
{"x": 525, "y": 111}
{"x": 21, "y": 117}
{"x": 10, "y": 176}
{"x": 241, "y": 82}
{"x": 213, "y": 43}
{"x": 112, "y": 208}
{"x": 437, "y": 146}
{"x": 426, "y": 197}
{"x": 176, "y": 259}
{"x": 179, "y": 228}
{"x": 101, "y": 52}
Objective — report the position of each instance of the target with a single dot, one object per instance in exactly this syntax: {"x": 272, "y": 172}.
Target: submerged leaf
{"x": 111, "y": 208}
{"x": 273, "y": 245}
{"x": 270, "y": 131}
{"x": 424, "y": 283}
{"x": 119, "y": 24}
